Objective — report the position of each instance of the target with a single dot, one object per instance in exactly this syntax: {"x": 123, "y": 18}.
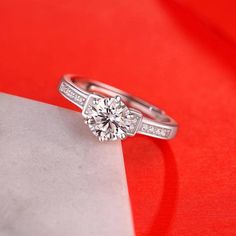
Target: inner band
{"x": 131, "y": 101}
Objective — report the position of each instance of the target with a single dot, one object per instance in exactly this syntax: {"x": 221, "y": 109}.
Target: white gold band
{"x": 78, "y": 90}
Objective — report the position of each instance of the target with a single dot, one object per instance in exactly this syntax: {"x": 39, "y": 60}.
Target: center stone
{"x": 109, "y": 118}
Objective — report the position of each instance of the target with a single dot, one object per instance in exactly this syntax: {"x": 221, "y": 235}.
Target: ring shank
{"x": 155, "y": 122}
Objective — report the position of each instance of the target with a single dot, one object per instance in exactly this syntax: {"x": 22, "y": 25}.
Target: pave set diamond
{"x": 69, "y": 92}
{"x": 155, "y": 130}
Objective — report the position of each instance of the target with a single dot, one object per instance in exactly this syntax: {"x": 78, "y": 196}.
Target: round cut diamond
{"x": 108, "y": 118}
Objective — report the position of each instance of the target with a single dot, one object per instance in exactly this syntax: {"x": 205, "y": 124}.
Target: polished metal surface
{"x": 154, "y": 121}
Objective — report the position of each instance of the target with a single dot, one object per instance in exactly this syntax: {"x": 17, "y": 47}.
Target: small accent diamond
{"x": 70, "y": 93}
{"x": 144, "y": 127}
{"x": 155, "y": 130}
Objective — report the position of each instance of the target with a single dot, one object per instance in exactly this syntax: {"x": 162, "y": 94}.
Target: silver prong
{"x": 95, "y": 101}
{"x": 101, "y": 139}
{"x": 118, "y": 98}
{"x": 130, "y": 116}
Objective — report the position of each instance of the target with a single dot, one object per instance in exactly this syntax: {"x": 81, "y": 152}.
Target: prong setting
{"x": 118, "y": 98}
{"x": 109, "y": 118}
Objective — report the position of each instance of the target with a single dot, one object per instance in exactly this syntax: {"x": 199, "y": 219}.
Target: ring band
{"x": 113, "y": 114}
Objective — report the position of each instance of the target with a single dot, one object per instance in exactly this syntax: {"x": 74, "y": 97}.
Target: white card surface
{"x": 56, "y": 178}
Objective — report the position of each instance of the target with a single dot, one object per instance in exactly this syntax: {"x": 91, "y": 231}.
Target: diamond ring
{"x": 112, "y": 114}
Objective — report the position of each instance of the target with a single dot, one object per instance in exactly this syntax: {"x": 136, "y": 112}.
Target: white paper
{"x": 56, "y": 179}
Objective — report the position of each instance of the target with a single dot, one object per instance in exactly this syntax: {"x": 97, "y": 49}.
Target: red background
{"x": 179, "y": 55}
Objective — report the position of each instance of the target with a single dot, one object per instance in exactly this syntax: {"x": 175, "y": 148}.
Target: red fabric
{"x": 166, "y": 52}
{"x": 218, "y": 14}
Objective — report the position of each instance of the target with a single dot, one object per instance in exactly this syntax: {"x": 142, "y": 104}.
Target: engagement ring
{"x": 112, "y": 114}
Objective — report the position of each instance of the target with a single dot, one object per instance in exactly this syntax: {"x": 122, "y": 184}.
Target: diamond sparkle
{"x": 108, "y": 118}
